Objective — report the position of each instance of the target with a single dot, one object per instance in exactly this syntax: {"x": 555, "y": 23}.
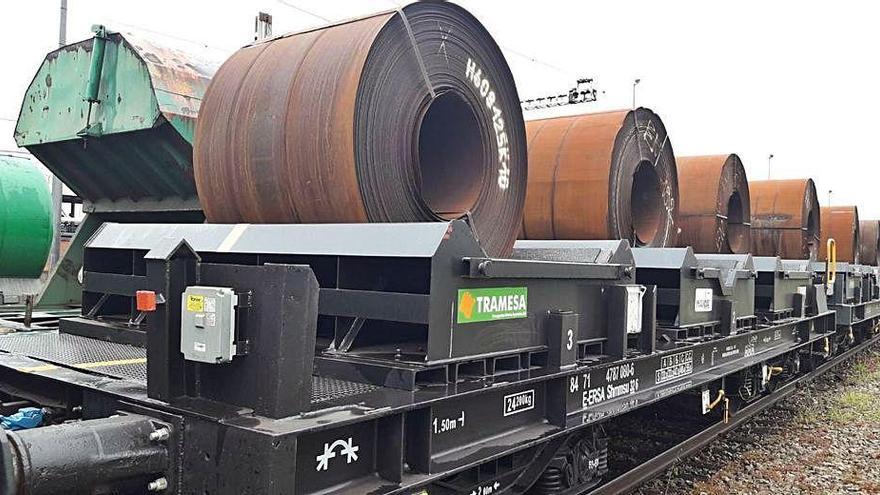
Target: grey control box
{"x": 207, "y": 324}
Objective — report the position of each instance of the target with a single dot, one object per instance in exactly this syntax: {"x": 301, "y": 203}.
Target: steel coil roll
{"x": 714, "y": 213}
{"x": 25, "y": 218}
{"x": 869, "y": 235}
{"x": 785, "y": 218}
{"x": 841, "y": 223}
{"x": 405, "y": 116}
{"x": 602, "y": 176}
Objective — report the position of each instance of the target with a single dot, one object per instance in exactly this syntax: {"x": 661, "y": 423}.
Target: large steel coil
{"x": 869, "y": 235}
{"x": 841, "y": 223}
{"x": 404, "y": 116}
{"x": 602, "y": 176}
{"x": 785, "y": 218}
{"x": 714, "y": 213}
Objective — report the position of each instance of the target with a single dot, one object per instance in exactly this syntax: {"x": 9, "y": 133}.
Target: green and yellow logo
{"x": 490, "y": 304}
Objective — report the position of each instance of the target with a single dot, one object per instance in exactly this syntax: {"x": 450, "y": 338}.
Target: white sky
{"x": 792, "y": 78}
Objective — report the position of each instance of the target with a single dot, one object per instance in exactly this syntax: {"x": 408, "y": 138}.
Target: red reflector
{"x": 146, "y": 300}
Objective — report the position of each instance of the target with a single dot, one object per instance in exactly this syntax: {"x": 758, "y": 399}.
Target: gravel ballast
{"x": 824, "y": 439}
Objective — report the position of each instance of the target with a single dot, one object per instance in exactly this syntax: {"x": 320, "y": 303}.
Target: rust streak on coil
{"x": 714, "y": 212}
{"x": 607, "y": 175}
{"x": 842, "y": 224}
{"x": 785, "y": 218}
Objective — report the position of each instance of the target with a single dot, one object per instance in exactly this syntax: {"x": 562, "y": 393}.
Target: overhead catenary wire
{"x": 529, "y": 57}
{"x": 504, "y": 47}
{"x": 227, "y": 49}
{"x": 538, "y": 61}
{"x": 508, "y": 48}
{"x": 289, "y": 4}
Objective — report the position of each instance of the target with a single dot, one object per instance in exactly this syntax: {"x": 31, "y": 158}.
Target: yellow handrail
{"x": 831, "y": 262}
{"x": 721, "y": 397}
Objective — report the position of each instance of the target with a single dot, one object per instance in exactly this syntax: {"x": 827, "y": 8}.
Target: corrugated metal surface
{"x": 155, "y": 163}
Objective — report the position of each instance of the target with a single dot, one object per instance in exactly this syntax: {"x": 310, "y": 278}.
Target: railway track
{"x": 654, "y": 460}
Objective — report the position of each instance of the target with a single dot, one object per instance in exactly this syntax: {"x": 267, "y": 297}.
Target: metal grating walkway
{"x": 325, "y": 389}
{"x": 98, "y": 356}
{"x": 129, "y": 362}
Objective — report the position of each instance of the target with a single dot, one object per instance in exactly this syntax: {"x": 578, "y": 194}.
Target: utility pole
{"x": 62, "y": 29}
{"x": 57, "y": 187}
{"x": 635, "y": 83}
{"x": 769, "y": 161}
{"x": 829, "y": 197}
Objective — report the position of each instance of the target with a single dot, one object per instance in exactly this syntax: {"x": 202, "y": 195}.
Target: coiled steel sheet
{"x": 841, "y": 223}
{"x": 869, "y": 234}
{"x": 714, "y": 212}
{"x": 602, "y": 176}
{"x": 404, "y": 116}
{"x": 785, "y": 218}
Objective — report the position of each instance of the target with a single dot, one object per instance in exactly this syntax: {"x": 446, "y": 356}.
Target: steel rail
{"x": 650, "y": 469}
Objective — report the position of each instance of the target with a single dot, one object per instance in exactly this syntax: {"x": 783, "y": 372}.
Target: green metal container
{"x": 114, "y": 117}
{"x": 25, "y": 218}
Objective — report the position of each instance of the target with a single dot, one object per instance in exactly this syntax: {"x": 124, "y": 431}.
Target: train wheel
{"x": 578, "y": 465}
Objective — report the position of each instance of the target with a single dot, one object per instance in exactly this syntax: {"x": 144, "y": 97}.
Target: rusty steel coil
{"x": 869, "y": 249}
{"x": 602, "y": 176}
{"x": 714, "y": 213}
{"x": 785, "y": 218}
{"x": 841, "y": 223}
{"x": 404, "y": 116}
